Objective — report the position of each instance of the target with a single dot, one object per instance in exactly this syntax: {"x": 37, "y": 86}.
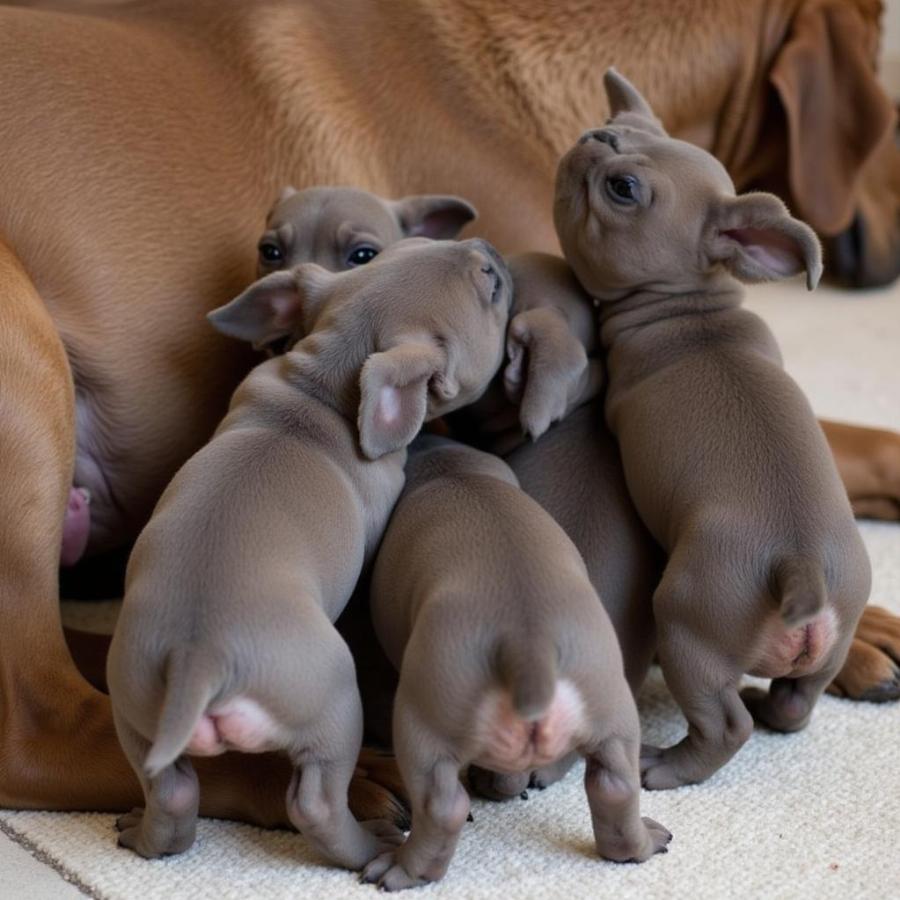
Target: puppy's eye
{"x": 622, "y": 188}
{"x": 270, "y": 252}
{"x": 359, "y": 256}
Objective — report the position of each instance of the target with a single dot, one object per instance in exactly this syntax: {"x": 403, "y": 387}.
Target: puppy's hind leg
{"x": 317, "y": 795}
{"x": 167, "y": 823}
{"x": 440, "y": 806}
{"x": 705, "y": 685}
{"x": 613, "y": 789}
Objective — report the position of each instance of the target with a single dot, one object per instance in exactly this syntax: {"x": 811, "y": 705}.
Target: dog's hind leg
{"x": 58, "y": 749}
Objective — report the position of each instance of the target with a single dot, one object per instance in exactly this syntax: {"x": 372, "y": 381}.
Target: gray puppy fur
{"x": 226, "y": 639}
{"x": 723, "y": 457}
{"x": 506, "y": 658}
{"x": 573, "y": 470}
{"x": 342, "y": 227}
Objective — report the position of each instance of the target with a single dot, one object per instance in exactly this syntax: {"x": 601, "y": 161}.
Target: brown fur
{"x": 182, "y": 122}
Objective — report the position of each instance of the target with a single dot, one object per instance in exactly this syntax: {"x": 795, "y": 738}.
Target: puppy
{"x": 343, "y": 227}
{"x": 554, "y": 374}
{"x": 226, "y": 641}
{"x": 506, "y": 658}
{"x": 723, "y": 457}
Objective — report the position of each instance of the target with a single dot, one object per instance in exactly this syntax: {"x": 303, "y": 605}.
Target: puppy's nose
{"x": 603, "y": 135}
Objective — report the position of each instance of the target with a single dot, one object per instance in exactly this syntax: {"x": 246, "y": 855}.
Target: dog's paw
{"x": 496, "y": 785}
{"x": 386, "y": 872}
{"x": 658, "y": 838}
{"x": 659, "y": 771}
{"x": 376, "y": 790}
{"x": 871, "y": 671}
{"x": 387, "y": 834}
{"x": 130, "y": 819}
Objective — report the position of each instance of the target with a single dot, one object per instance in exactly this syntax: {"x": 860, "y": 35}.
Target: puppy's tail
{"x": 800, "y": 590}
{"x": 192, "y": 680}
{"x": 528, "y": 672}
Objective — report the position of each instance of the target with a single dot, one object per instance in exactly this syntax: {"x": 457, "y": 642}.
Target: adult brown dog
{"x": 142, "y": 146}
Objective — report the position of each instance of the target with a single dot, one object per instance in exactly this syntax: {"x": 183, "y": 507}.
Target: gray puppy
{"x": 342, "y": 227}
{"x": 506, "y": 658}
{"x": 226, "y": 641}
{"x": 572, "y": 470}
{"x": 723, "y": 456}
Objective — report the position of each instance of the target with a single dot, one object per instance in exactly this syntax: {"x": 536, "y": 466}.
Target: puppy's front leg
{"x": 705, "y": 685}
{"x": 613, "y": 791}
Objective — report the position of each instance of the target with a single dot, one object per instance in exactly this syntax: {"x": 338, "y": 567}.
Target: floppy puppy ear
{"x": 837, "y": 113}
{"x": 627, "y": 102}
{"x": 272, "y": 307}
{"x": 433, "y": 215}
{"x": 394, "y": 394}
{"x": 756, "y": 238}
{"x": 547, "y": 370}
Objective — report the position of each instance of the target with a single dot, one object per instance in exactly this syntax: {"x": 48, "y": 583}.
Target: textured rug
{"x": 814, "y": 814}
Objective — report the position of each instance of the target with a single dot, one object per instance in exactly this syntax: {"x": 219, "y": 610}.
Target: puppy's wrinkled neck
{"x": 646, "y": 308}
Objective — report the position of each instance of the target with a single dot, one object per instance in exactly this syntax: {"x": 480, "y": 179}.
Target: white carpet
{"x": 815, "y": 814}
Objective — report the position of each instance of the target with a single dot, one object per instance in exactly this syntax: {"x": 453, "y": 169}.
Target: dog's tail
{"x": 529, "y": 672}
{"x": 192, "y": 680}
{"x": 800, "y": 590}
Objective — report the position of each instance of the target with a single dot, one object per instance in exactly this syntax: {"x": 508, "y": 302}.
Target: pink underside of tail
{"x": 238, "y": 724}
{"x": 509, "y": 743}
{"x": 796, "y": 651}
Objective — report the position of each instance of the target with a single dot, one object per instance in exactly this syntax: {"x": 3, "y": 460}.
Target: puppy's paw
{"x": 138, "y": 834}
{"x": 495, "y": 785}
{"x": 659, "y": 771}
{"x": 388, "y": 835}
{"x": 656, "y": 840}
{"x": 130, "y": 819}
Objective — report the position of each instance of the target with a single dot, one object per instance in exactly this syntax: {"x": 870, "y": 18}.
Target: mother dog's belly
{"x": 793, "y": 652}
{"x": 508, "y": 743}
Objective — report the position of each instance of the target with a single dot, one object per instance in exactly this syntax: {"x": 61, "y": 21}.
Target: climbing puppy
{"x": 506, "y": 658}
{"x": 722, "y": 454}
{"x": 226, "y": 640}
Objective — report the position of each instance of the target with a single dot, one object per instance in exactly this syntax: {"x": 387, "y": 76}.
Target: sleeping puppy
{"x": 506, "y": 658}
{"x": 226, "y": 640}
{"x": 722, "y": 454}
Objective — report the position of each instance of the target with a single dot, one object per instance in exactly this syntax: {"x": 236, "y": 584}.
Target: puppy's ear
{"x": 273, "y": 307}
{"x": 433, "y": 216}
{"x": 837, "y": 113}
{"x": 755, "y": 237}
{"x": 627, "y": 104}
{"x": 394, "y": 394}
{"x": 547, "y": 373}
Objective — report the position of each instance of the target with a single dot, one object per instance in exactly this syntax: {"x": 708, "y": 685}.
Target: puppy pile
{"x": 519, "y": 577}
